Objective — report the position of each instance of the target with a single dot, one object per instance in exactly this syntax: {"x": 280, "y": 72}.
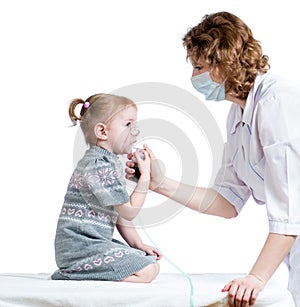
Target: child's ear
{"x": 100, "y": 132}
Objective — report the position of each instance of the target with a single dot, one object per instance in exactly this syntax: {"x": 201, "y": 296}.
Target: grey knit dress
{"x": 84, "y": 244}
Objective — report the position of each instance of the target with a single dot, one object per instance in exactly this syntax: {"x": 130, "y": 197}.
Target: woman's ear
{"x": 100, "y": 132}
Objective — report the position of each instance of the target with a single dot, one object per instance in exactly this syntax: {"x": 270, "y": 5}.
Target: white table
{"x": 168, "y": 290}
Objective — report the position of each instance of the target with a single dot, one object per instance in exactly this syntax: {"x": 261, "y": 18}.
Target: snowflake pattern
{"x": 82, "y": 180}
{"x": 108, "y": 176}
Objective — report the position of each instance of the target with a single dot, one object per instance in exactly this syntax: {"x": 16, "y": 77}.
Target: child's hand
{"x": 150, "y": 250}
{"x": 143, "y": 163}
{"x": 129, "y": 170}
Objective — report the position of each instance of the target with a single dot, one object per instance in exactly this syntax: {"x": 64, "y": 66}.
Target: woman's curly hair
{"x": 223, "y": 40}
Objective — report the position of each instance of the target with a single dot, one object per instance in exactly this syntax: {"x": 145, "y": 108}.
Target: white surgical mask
{"x": 206, "y": 86}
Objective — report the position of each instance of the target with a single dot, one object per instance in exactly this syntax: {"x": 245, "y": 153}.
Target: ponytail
{"x": 72, "y": 109}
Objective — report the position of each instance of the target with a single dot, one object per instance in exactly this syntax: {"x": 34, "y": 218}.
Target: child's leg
{"x": 145, "y": 275}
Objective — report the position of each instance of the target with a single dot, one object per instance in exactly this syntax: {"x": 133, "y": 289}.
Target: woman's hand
{"x": 157, "y": 172}
{"x": 243, "y": 292}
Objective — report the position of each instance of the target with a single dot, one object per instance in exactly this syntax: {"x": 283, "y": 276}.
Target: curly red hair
{"x": 223, "y": 40}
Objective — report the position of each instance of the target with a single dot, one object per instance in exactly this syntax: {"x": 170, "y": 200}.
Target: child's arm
{"x": 131, "y": 236}
{"x": 130, "y": 210}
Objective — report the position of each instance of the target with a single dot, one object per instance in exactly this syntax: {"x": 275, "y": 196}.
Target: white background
{"x": 54, "y": 51}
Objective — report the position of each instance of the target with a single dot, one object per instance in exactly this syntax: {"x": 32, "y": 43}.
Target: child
{"x": 97, "y": 200}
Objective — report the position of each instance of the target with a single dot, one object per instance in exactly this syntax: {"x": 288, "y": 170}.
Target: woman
{"x": 262, "y": 153}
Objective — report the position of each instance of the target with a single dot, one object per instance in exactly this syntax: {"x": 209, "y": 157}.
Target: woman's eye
{"x": 198, "y": 67}
{"x": 128, "y": 124}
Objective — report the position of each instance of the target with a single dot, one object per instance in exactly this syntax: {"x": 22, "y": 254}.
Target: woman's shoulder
{"x": 270, "y": 85}
{"x": 278, "y": 107}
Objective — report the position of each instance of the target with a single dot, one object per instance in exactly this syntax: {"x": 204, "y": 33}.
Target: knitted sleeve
{"x": 102, "y": 183}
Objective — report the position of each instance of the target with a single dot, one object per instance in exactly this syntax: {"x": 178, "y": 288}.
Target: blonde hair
{"x": 95, "y": 109}
{"x": 223, "y": 40}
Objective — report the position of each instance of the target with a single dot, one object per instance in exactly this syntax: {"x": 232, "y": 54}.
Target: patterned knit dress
{"x": 84, "y": 244}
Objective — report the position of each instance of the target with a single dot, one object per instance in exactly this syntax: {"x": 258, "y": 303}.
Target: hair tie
{"x": 86, "y": 104}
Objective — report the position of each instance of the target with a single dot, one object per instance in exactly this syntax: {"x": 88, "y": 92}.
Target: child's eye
{"x": 128, "y": 124}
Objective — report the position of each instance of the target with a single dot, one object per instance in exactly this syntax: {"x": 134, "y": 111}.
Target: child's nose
{"x": 135, "y": 131}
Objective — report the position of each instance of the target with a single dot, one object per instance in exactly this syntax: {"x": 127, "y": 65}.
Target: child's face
{"x": 120, "y": 137}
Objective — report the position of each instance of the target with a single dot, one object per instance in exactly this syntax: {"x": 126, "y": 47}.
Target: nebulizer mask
{"x": 206, "y": 86}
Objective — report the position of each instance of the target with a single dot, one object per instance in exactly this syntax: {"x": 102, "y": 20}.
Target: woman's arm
{"x": 203, "y": 200}
{"x": 276, "y": 247}
{"x": 245, "y": 290}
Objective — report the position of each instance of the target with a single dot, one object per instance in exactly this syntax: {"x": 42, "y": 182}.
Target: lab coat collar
{"x": 237, "y": 117}
{"x": 251, "y": 102}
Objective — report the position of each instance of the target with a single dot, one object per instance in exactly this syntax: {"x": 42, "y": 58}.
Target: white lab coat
{"x": 262, "y": 160}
